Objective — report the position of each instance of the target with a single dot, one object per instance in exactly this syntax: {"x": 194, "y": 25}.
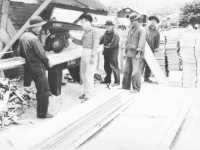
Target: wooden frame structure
{"x": 45, "y": 11}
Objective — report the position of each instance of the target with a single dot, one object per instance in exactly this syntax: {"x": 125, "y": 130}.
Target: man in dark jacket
{"x": 110, "y": 40}
{"x": 153, "y": 39}
{"x": 36, "y": 62}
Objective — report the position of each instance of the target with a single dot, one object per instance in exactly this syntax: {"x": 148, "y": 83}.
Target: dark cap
{"x": 87, "y": 17}
{"x": 109, "y": 23}
{"x": 154, "y": 18}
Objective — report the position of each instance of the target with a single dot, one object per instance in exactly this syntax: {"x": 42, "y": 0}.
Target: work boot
{"x": 45, "y": 116}
{"x": 82, "y": 96}
{"x": 84, "y": 100}
{"x": 148, "y": 80}
{"x": 104, "y": 82}
{"x": 115, "y": 84}
{"x": 134, "y": 91}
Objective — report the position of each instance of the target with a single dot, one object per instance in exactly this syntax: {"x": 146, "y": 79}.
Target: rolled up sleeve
{"x": 77, "y": 41}
{"x": 142, "y": 40}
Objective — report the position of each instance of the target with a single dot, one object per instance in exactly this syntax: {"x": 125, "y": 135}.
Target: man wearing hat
{"x": 135, "y": 46}
{"x": 36, "y": 63}
{"x": 110, "y": 40}
{"x": 153, "y": 39}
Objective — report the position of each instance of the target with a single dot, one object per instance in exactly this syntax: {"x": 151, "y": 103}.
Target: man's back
{"x": 32, "y": 50}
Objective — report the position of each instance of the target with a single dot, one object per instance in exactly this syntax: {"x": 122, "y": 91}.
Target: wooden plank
{"x": 165, "y": 137}
{"x": 36, "y": 13}
{"x": 60, "y": 122}
{"x": 4, "y": 36}
{"x": 154, "y": 66}
{"x": 10, "y": 28}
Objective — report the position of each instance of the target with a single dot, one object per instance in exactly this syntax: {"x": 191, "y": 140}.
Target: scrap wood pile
{"x": 14, "y": 99}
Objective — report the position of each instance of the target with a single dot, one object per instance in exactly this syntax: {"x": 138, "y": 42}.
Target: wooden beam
{"x": 10, "y": 28}
{"x": 81, "y": 9}
{"x": 4, "y": 17}
{"x": 37, "y": 12}
{"x": 78, "y": 19}
{"x": 4, "y": 36}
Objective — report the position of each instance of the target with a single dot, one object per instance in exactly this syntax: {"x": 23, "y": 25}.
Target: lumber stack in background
{"x": 70, "y": 129}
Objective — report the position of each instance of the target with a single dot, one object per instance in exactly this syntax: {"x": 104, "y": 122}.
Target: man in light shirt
{"x": 90, "y": 43}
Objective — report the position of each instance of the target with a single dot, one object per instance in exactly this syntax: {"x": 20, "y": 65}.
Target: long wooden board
{"x": 154, "y": 66}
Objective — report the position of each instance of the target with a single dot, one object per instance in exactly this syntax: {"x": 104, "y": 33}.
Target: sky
{"x": 108, "y": 2}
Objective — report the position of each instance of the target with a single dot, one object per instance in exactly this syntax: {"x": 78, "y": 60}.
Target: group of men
{"x": 37, "y": 62}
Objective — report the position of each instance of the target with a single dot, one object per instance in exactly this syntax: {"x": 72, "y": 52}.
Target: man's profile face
{"x": 38, "y": 29}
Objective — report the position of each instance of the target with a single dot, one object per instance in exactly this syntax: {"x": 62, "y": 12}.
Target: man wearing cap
{"x": 90, "y": 43}
{"x": 135, "y": 46}
{"x": 110, "y": 40}
{"x": 36, "y": 63}
{"x": 153, "y": 39}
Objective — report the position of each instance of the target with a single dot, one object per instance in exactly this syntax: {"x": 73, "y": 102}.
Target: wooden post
{"x": 24, "y": 27}
{"x": 4, "y": 17}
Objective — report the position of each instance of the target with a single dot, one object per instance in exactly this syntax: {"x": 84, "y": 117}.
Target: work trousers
{"x": 43, "y": 92}
{"x": 132, "y": 74}
{"x": 145, "y": 68}
{"x": 87, "y": 71}
{"x": 111, "y": 64}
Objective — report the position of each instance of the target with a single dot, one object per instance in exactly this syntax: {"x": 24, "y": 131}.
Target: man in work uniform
{"x": 36, "y": 63}
{"x": 135, "y": 46}
{"x": 90, "y": 43}
{"x": 153, "y": 39}
{"x": 110, "y": 40}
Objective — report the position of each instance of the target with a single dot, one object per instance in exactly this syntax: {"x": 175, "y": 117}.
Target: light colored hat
{"x": 134, "y": 16}
{"x": 36, "y": 21}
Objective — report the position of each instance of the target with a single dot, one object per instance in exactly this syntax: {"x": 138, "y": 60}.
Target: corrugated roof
{"x": 93, "y": 4}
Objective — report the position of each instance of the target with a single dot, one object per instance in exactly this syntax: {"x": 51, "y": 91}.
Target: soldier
{"x": 110, "y": 40}
{"x": 36, "y": 63}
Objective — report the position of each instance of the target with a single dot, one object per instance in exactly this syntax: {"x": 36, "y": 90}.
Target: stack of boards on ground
{"x": 189, "y": 63}
{"x": 172, "y": 55}
{"x": 69, "y": 129}
{"x": 160, "y": 56}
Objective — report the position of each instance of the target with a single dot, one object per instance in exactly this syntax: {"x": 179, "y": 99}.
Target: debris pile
{"x": 14, "y": 100}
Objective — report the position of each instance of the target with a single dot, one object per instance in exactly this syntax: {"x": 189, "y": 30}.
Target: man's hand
{"x": 92, "y": 60}
{"x": 71, "y": 37}
{"x": 105, "y": 46}
{"x": 50, "y": 64}
{"x": 138, "y": 54}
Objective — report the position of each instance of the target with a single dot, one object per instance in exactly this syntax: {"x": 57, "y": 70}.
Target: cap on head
{"x": 36, "y": 21}
{"x": 86, "y": 17}
{"x": 109, "y": 23}
{"x": 134, "y": 16}
{"x": 154, "y": 18}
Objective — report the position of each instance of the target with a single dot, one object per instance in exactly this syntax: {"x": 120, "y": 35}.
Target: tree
{"x": 190, "y": 13}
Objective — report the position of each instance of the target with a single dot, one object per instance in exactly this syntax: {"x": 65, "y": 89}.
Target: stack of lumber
{"x": 175, "y": 78}
{"x": 13, "y": 101}
{"x": 173, "y": 58}
{"x": 69, "y": 129}
{"x": 187, "y": 47}
{"x": 160, "y": 56}
{"x": 197, "y": 56}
